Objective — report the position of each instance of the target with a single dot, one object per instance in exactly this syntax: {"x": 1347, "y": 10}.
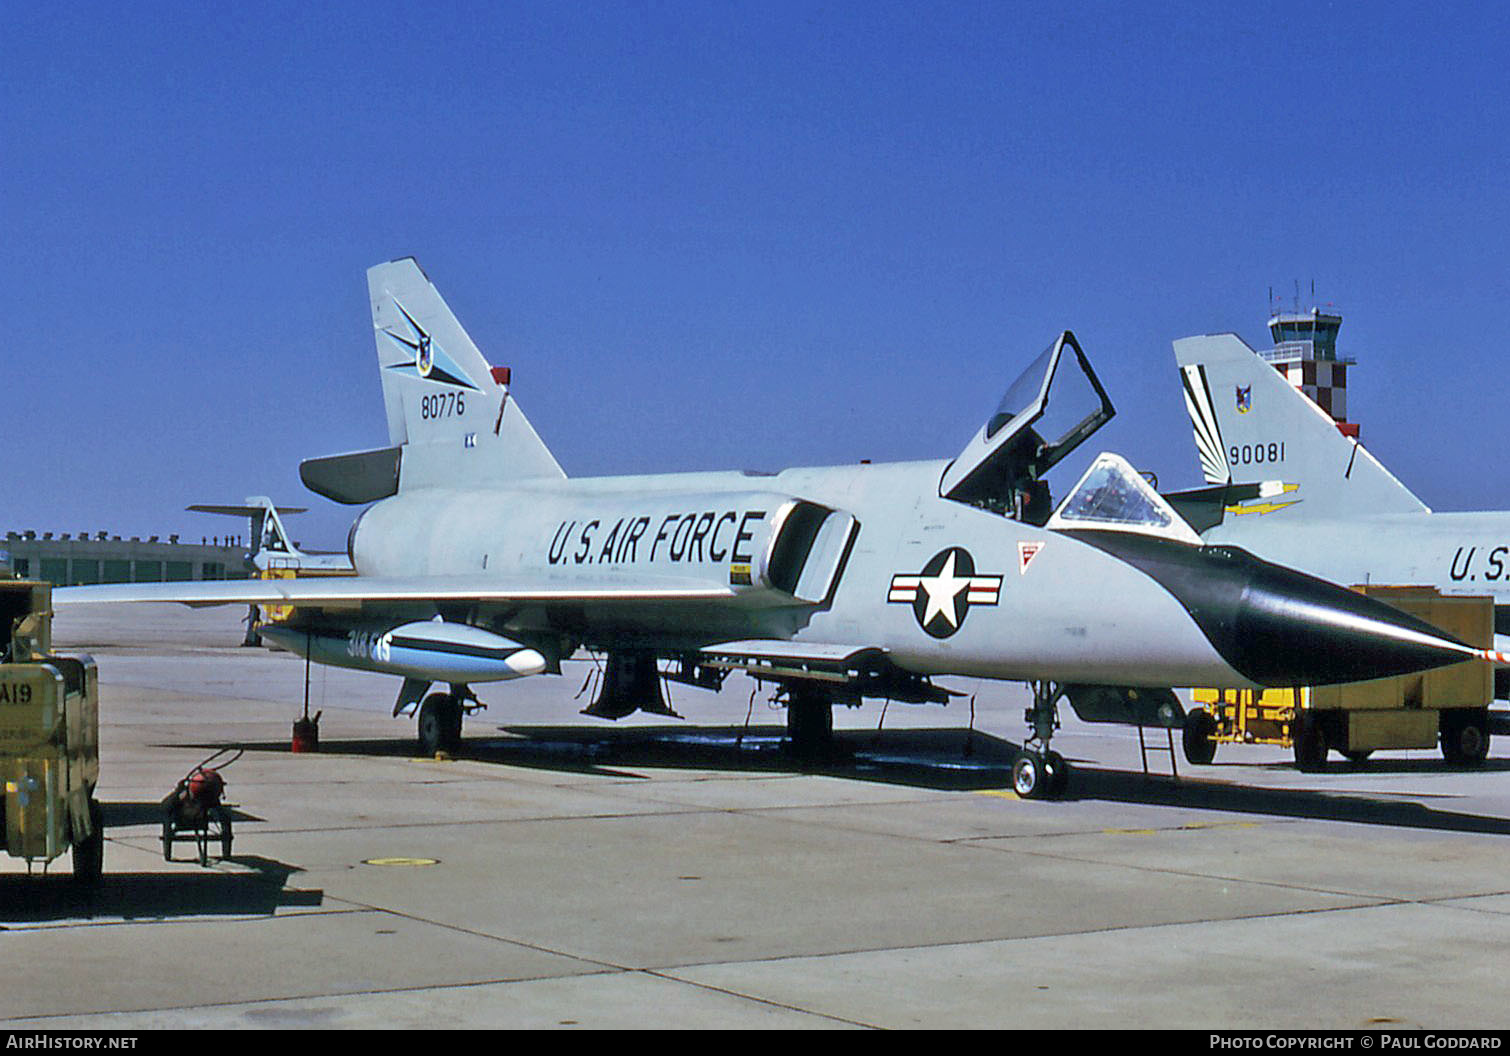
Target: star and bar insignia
{"x": 941, "y": 595}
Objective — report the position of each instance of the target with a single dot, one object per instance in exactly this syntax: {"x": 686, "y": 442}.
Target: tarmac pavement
{"x": 564, "y": 871}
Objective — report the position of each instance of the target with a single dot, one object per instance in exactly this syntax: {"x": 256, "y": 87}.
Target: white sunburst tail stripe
{"x": 1208, "y": 434}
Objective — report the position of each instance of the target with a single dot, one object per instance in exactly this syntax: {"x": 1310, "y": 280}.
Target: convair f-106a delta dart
{"x": 478, "y": 560}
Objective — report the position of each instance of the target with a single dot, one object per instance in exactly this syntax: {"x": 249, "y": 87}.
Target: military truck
{"x": 49, "y": 739}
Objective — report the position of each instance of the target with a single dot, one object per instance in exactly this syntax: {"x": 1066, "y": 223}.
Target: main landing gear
{"x": 1037, "y": 771}
{"x": 809, "y": 720}
{"x": 440, "y": 717}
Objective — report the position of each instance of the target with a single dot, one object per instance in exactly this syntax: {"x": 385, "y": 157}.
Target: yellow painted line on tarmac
{"x": 1192, "y": 827}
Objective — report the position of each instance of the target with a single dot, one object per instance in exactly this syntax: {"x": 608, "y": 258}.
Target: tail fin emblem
{"x": 424, "y": 354}
{"x": 1244, "y": 398}
{"x": 424, "y": 359}
{"x": 446, "y": 372}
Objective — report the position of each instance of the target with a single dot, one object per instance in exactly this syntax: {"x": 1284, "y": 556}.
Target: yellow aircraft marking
{"x": 1266, "y": 507}
{"x": 1263, "y": 507}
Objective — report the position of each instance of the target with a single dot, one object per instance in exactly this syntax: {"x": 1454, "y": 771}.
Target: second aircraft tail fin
{"x": 1251, "y": 425}
{"x": 268, "y": 538}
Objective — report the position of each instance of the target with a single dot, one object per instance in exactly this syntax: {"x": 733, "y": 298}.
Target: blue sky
{"x": 728, "y": 235}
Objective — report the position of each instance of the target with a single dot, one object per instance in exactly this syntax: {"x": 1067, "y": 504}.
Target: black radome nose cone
{"x": 1280, "y": 627}
{"x": 1290, "y": 622}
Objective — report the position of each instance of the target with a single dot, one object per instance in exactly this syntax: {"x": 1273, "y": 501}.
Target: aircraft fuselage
{"x": 943, "y": 587}
{"x": 1458, "y": 553}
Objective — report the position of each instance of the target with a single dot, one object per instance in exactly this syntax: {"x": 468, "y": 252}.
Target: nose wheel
{"x": 1038, "y": 772}
{"x": 1040, "y": 775}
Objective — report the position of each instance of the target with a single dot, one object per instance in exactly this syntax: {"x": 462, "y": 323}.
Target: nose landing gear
{"x": 1038, "y": 772}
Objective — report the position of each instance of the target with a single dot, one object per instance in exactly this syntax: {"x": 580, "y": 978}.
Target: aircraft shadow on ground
{"x": 152, "y": 896}
{"x": 1202, "y": 793}
{"x": 1382, "y": 765}
{"x": 941, "y": 759}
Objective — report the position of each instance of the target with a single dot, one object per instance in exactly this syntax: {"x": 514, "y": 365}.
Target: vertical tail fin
{"x": 270, "y": 541}
{"x": 1251, "y": 425}
{"x": 449, "y": 409}
{"x": 269, "y": 536}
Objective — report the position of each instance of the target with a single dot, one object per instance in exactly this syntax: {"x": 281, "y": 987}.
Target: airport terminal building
{"x": 73, "y": 560}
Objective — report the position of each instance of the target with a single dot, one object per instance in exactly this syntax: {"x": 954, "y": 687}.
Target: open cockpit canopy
{"x": 1052, "y": 407}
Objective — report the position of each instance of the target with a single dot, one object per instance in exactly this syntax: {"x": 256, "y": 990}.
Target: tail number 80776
{"x": 442, "y": 405}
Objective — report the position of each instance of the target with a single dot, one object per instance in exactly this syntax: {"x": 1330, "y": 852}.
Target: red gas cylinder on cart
{"x": 204, "y": 788}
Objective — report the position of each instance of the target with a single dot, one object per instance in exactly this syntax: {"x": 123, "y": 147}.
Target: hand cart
{"x": 196, "y": 810}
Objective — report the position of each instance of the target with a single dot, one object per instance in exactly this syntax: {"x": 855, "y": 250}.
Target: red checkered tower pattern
{"x": 1305, "y": 352}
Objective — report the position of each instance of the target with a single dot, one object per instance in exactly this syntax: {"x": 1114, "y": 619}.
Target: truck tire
{"x": 1465, "y": 736}
{"x": 89, "y": 853}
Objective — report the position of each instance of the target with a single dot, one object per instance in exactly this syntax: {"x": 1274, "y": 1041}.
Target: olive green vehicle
{"x": 49, "y": 739}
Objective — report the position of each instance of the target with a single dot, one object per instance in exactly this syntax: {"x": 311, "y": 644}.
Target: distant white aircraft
{"x": 1287, "y": 484}
{"x": 272, "y": 548}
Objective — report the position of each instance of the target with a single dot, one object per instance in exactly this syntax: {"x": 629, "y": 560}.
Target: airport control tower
{"x": 1305, "y": 352}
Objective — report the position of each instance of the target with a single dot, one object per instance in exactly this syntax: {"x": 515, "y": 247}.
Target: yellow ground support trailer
{"x": 1448, "y": 706}
{"x": 49, "y": 739}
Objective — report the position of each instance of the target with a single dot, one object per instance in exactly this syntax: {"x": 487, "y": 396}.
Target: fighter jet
{"x": 479, "y": 560}
{"x": 274, "y": 555}
{"x": 1286, "y": 483}
{"x": 272, "y": 548}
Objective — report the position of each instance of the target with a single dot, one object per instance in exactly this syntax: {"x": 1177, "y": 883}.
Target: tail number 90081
{"x": 1256, "y": 454}
{"x": 442, "y": 405}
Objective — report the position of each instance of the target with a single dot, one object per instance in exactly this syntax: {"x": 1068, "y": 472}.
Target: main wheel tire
{"x": 439, "y": 724}
{"x": 810, "y": 724}
{"x": 1199, "y": 737}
